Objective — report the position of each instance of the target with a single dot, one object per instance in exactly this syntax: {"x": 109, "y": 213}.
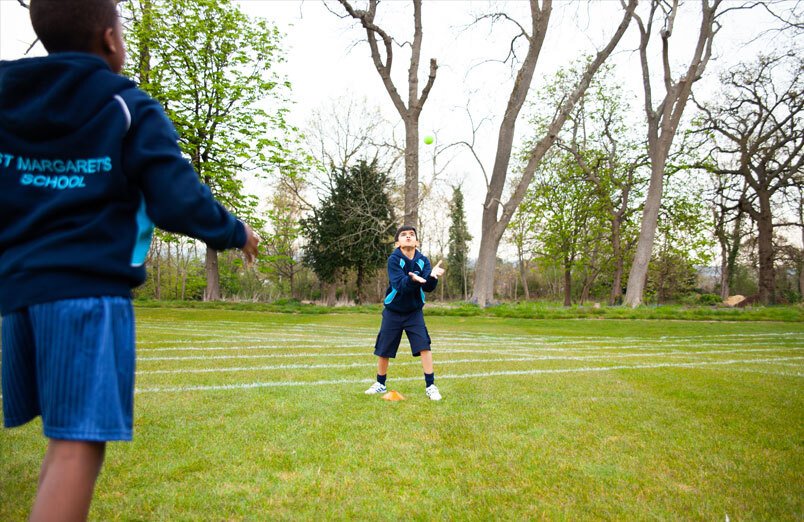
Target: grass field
{"x": 257, "y": 416}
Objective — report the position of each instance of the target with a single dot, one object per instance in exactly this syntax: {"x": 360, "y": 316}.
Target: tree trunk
{"x": 332, "y": 293}
{"x": 661, "y": 291}
{"x": 767, "y": 287}
{"x": 359, "y": 284}
{"x": 411, "y": 169}
{"x": 523, "y": 273}
{"x": 801, "y": 280}
{"x": 567, "y": 285}
{"x": 662, "y": 125}
{"x": 157, "y": 247}
{"x": 170, "y": 271}
{"x": 801, "y": 258}
{"x": 725, "y": 275}
{"x": 465, "y": 282}
{"x": 292, "y": 277}
{"x": 616, "y": 248}
{"x": 213, "y": 289}
{"x": 486, "y": 261}
{"x": 650, "y": 218}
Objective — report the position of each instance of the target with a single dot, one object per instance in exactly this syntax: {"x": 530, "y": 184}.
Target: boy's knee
{"x": 86, "y": 451}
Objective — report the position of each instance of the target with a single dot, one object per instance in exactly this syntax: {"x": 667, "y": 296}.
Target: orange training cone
{"x": 393, "y": 396}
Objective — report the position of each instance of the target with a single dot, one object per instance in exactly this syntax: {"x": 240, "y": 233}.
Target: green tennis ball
{"x": 428, "y": 140}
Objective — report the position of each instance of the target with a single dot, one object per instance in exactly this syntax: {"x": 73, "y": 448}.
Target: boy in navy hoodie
{"x": 88, "y": 164}
{"x": 409, "y": 276}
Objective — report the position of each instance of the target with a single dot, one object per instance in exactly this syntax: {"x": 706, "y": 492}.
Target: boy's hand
{"x": 250, "y": 249}
{"x": 437, "y": 270}
{"x": 416, "y": 278}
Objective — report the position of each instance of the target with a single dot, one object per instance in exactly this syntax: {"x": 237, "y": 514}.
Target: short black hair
{"x": 405, "y": 228}
{"x": 71, "y": 25}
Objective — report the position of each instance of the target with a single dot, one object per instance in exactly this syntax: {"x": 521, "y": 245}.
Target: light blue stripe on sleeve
{"x": 145, "y": 230}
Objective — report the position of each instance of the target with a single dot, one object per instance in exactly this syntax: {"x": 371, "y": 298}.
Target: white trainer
{"x": 376, "y": 388}
{"x": 432, "y": 393}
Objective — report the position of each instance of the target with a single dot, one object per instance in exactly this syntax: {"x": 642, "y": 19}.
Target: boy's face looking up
{"x": 407, "y": 239}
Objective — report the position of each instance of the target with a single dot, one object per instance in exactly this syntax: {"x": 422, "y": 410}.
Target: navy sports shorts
{"x": 393, "y": 324}
{"x": 72, "y": 362}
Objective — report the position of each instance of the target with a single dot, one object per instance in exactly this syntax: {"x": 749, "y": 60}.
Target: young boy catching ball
{"x": 409, "y": 277}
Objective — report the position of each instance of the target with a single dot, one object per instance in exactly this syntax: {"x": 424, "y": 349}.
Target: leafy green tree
{"x": 213, "y": 70}
{"x": 352, "y": 228}
{"x": 597, "y": 165}
{"x": 569, "y": 221}
{"x": 282, "y": 242}
{"x": 612, "y": 160}
{"x": 683, "y": 242}
{"x": 458, "y": 249}
{"x": 521, "y": 236}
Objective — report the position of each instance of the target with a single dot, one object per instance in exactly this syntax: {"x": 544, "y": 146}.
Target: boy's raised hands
{"x": 417, "y": 278}
{"x": 437, "y": 271}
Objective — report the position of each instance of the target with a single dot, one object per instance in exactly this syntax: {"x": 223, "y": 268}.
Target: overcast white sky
{"x": 327, "y": 60}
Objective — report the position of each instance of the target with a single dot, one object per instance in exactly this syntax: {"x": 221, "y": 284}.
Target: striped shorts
{"x": 72, "y": 362}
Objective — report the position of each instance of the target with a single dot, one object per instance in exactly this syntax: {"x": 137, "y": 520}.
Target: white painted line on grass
{"x": 365, "y": 353}
{"x": 441, "y": 362}
{"x": 273, "y": 384}
{"x": 370, "y": 364}
{"x": 521, "y": 354}
{"x": 441, "y": 349}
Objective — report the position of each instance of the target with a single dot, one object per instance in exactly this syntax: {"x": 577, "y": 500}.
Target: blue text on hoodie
{"x": 88, "y": 164}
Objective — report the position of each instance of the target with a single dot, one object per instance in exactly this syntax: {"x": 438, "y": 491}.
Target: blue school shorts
{"x": 72, "y": 362}
{"x": 393, "y": 324}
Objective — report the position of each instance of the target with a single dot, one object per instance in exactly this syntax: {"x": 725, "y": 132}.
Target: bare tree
{"x": 729, "y": 230}
{"x": 496, "y": 213}
{"x": 346, "y": 130}
{"x": 663, "y": 119}
{"x": 758, "y": 125}
{"x": 801, "y": 253}
{"x": 410, "y": 112}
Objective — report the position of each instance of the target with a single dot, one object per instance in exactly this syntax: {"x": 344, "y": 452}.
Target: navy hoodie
{"x": 404, "y": 295}
{"x": 88, "y": 164}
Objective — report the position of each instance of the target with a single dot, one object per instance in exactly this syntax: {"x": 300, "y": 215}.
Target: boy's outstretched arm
{"x": 175, "y": 199}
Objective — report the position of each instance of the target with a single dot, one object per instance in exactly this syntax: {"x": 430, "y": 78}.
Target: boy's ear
{"x": 110, "y": 41}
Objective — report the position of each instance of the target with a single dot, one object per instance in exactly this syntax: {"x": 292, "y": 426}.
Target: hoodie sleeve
{"x": 175, "y": 198}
